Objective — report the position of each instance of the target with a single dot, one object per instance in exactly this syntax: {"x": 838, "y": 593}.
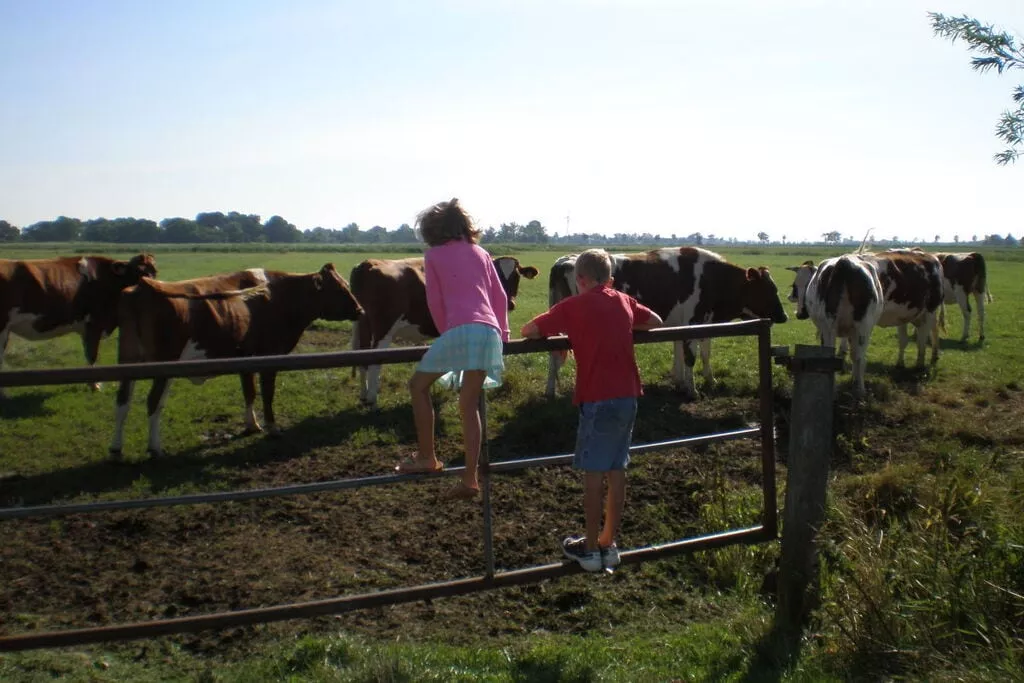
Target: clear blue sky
{"x": 726, "y": 117}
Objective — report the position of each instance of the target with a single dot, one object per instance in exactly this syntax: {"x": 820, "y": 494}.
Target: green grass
{"x": 923, "y": 550}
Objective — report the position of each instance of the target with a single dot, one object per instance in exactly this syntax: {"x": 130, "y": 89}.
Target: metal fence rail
{"x": 766, "y": 531}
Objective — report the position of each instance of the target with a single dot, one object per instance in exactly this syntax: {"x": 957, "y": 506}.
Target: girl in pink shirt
{"x": 470, "y": 309}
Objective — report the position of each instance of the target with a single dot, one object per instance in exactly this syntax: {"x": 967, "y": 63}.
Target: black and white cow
{"x": 848, "y": 296}
{"x": 965, "y": 275}
{"x": 685, "y": 286}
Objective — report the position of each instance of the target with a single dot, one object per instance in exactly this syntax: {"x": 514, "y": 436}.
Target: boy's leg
{"x": 615, "y": 503}
{"x": 469, "y": 408}
{"x": 423, "y": 416}
{"x": 593, "y": 493}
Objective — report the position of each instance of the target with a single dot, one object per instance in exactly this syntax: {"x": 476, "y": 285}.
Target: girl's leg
{"x": 423, "y": 416}
{"x": 469, "y": 407}
{"x": 613, "y": 510}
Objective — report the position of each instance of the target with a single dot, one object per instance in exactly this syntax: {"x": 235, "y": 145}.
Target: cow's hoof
{"x": 154, "y": 453}
{"x": 273, "y": 432}
{"x": 115, "y": 454}
{"x": 367, "y": 403}
{"x": 252, "y": 429}
{"x": 981, "y": 339}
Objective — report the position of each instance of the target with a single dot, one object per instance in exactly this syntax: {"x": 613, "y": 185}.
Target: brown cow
{"x": 685, "y": 286}
{"x": 964, "y": 275}
{"x": 166, "y": 322}
{"x": 394, "y": 297}
{"x": 46, "y": 298}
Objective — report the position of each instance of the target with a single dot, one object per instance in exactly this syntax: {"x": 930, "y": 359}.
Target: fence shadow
{"x": 195, "y": 468}
{"x": 25, "y": 404}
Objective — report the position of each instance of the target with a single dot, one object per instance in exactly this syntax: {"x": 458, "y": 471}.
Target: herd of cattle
{"x": 261, "y": 312}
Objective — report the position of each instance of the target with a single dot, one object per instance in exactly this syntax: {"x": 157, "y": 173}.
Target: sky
{"x": 724, "y": 117}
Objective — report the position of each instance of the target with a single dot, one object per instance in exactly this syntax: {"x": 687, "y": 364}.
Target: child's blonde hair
{"x": 595, "y": 264}
{"x": 445, "y": 222}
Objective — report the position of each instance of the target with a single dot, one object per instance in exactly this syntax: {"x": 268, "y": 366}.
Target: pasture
{"x": 923, "y": 550}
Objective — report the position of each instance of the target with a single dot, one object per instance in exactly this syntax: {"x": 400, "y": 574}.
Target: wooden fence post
{"x": 810, "y": 449}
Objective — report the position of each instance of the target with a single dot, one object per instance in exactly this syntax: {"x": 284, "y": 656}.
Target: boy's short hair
{"x": 444, "y": 222}
{"x": 595, "y": 264}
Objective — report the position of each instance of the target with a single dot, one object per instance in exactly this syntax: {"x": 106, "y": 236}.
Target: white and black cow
{"x": 393, "y": 295}
{"x": 685, "y": 286}
{"x": 47, "y": 298}
{"x": 964, "y": 275}
{"x": 848, "y": 296}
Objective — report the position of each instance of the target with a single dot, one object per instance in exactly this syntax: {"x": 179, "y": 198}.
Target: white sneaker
{"x": 575, "y": 548}
{"x": 610, "y": 556}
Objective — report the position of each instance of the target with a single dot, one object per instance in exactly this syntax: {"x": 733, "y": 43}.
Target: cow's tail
{"x": 982, "y": 279}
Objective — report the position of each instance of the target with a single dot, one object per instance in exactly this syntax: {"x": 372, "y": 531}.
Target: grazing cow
{"x": 963, "y": 275}
{"x": 46, "y": 298}
{"x": 168, "y": 322}
{"x": 848, "y": 296}
{"x": 393, "y": 295}
{"x": 685, "y": 286}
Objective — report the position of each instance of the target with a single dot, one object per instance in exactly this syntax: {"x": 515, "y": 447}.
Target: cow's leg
{"x": 91, "y": 337}
{"x": 5, "y": 334}
{"x": 124, "y": 402}
{"x": 923, "y": 333}
{"x": 268, "y": 382}
{"x": 555, "y": 361}
{"x": 373, "y": 375}
{"x": 965, "y": 310}
{"x": 705, "y": 361}
{"x": 844, "y": 346}
{"x": 252, "y": 425}
{"x": 155, "y": 405}
{"x": 901, "y": 333}
{"x": 859, "y": 361}
{"x": 979, "y": 299}
{"x": 684, "y": 380}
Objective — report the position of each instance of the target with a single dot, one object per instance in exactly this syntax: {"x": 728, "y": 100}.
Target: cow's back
{"x": 911, "y": 281}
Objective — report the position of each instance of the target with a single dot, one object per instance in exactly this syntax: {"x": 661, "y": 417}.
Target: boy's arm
{"x": 546, "y": 324}
{"x": 644, "y": 318}
{"x": 531, "y": 331}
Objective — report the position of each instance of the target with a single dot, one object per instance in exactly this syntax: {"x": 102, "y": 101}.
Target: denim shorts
{"x": 604, "y": 434}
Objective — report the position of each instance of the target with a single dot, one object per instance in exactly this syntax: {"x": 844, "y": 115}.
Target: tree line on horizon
{"x": 238, "y": 228}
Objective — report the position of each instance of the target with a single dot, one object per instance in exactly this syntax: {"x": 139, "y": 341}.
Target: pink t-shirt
{"x": 463, "y": 287}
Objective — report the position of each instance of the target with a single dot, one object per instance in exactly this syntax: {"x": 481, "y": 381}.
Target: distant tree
{"x": 63, "y": 229}
{"x": 832, "y": 237}
{"x": 377, "y": 235}
{"x": 351, "y": 233}
{"x": 509, "y": 232}
{"x": 936, "y": 239}
{"x": 1010, "y": 240}
{"x": 533, "y": 232}
{"x": 490, "y": 235}
{"x": 279, "y": 230}
{"x": 999, "y": 51}
{"x": 895, "y": 239}
{"x": 697, "y": 238}
{"x": 783, "y": 239}
{"x": 763, "y": 237}
{"x": 179, "y": 230}
{"x": 956, "y": 239}
{"x": 404, "y": 234}
{"x": 8, "y": 232}
{"x": 974, "y": 238}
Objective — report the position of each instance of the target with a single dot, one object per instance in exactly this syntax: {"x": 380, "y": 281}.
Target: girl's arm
{"x": 435, "y": 301}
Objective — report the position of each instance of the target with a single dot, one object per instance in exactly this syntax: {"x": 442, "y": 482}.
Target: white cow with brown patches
{"x": 965, "y": 275}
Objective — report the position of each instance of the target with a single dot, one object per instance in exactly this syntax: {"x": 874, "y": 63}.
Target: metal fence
{"x": 490, "y": 579}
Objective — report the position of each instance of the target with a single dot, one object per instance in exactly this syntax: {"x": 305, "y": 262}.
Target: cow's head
{"x": 798, "y": 294}
{"x": 761, "y": 297}
{"x": 116, "y": 275}
{"x": 336, "y": 299}
{"x": 509, "y": 272}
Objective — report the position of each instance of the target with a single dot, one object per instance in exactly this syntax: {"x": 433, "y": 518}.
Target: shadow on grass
{"x": 197, "y": 468}
{"x": 957, "y": 345}
{"x": 25, "y": 404}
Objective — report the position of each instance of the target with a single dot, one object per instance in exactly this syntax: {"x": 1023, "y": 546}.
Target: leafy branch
{"x": 997, "y": 50}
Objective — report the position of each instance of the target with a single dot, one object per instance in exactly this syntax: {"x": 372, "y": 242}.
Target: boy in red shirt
{"x": 599, "y": 322}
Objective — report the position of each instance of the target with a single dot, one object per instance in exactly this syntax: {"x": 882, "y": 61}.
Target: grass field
{"x": 923, "y": 569}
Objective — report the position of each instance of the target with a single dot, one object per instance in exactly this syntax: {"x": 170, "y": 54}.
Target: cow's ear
{"x": 753, "y": 274}
{"x": 809, "y": 264}
{"x": 529, "y": 272}
{"x": 328, "y": 267}
{"x": 795, "y": 269}
{"x": 318, "y": 281}
{"x": 118, "y": 268}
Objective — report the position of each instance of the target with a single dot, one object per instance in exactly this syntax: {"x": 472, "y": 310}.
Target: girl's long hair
{"x": 444, "y": 222}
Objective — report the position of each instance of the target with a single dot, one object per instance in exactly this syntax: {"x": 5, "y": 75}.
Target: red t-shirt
{"x": 599, "y": 324}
